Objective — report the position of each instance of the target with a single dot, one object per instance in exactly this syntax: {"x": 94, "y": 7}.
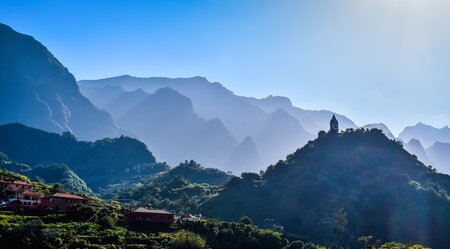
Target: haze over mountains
{"x": 268, "y": 128}
{"x": 37, "y": 90}
{"x": 178, "y": 119}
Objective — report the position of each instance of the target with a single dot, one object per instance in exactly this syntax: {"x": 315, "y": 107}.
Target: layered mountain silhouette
{"x": 414, "y": 147}
{"x": 103, "y": 97}
{"x": 167, "y": 123}
{"x": 342, "y": 186}
{"x": 274, "y": 125}
{"x": 37, "y": 90}
{"x": 439, "y": 155}
{"x": 245, "y": 157}
{"x": 426, "y": 134}
{"x": 435, "y": 141}
{"x": 382, "y": 127}
{"x": 312, "y": 121}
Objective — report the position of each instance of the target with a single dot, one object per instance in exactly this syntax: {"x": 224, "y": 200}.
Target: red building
{"x": 62, "y": 201}
{"x": 25, "y": 199}
{"x": 154, "y": 216}
{"x": 20, "y": 186}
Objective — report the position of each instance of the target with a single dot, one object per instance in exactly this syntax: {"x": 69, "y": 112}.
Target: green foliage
{"x": 49, "y": 174}
{"x": 195, "y": 173}
{"x": 99, "y": 163}
{"x": 342, "y": 186}
{"x": 61, "y": 174}
{"x": 224, "y": 235}
{"x": 187, "y": 240}
{"x": 178, "y": 195}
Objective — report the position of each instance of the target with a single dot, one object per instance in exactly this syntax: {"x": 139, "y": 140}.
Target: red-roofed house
{"x": 154, "y": 216}
{"x": 62, "y": 201}
{"x": 25, "y": 199}
{"x": 20, "y": 185}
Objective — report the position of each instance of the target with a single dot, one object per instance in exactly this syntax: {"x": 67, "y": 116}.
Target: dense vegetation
{"x": 343, "y": 186}
{"x": 178, "y": 195}
{"x": 50, "y": 174}
{"x": 181, "y": 189}
{"x": 194, "y": 172}
{"x": 99, "y": 163}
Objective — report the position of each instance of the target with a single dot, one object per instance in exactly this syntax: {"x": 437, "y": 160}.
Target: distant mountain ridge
{"x": 37, "y": 90}
{"x": 312, "y": 121}
{"x": 167, "y": 123}
{"x": 276, "y": 131}
{"x": 427, "y": 134}
{"x": 382, "y": 127}
{"x": 435, "y": 141}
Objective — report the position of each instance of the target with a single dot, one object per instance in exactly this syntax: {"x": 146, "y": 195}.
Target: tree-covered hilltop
{"x": 59, "y": 174}
{"x": 180, "y": 189}
{"x": 194, "y": 172}
{"x": 343, "y": 186}
{"x": 178, "y": 195}
{"x": 50, "y": 174}
{"x": 99, "y": 163}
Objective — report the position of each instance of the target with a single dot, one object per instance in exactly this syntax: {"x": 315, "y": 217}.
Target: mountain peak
{"x": 37, "y": 90}
{"x": 279, "y": 100}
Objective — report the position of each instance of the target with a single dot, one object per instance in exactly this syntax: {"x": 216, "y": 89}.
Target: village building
{"x": 62, "y": 201}
{"x": 150, "y": 216}
{"x": 190, "y": 218}
{"x": 20, "y": 185}
{"x": 25, "y": 199}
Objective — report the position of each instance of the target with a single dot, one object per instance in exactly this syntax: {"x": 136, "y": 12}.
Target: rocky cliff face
{"x": 37, "y": 90}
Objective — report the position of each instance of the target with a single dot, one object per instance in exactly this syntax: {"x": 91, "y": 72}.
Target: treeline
{"x": 99, "y": 163}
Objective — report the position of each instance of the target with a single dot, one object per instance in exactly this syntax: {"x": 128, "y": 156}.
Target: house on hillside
{"x": 62, "y": 201}
{"x": 191, "y": 218}
{"x": 20, "y": 185}
{"x": 150, "y": 216}
{"x": 25, "y": 199}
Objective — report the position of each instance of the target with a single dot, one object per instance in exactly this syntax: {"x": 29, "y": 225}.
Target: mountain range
{"x": 177, "y": 118}
{"x": 431, "y": 145}
{"x": 267, "y": 128}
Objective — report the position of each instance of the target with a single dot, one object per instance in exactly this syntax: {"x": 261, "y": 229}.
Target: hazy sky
{"x": 372, "y": 60}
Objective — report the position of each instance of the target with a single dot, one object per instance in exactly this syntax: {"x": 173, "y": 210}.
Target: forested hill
{"x": 342, "y": 186}
{"x": 99, "y": 163}
{"x": 194, "y": 172}
{"x": 51, "y": 174}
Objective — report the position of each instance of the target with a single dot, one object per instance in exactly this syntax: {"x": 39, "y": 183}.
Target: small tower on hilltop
{"x": 334, "y": 125}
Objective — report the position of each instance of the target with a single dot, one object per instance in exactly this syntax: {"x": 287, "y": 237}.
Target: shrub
{"x": 187, "y": 240}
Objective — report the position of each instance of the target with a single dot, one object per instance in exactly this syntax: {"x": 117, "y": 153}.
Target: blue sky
{"x": 373, "y": 60}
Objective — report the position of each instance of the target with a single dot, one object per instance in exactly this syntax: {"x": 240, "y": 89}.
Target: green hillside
{"x": 49, "y": 174}
{"x": 99, "y": 163}
{"x": 194, "y": 172}
{"x": 343, "y": 186}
